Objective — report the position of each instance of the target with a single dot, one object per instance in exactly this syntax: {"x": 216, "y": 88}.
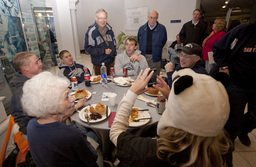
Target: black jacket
{"x": 193, "y": 34}
{"x": 226, "y": 52}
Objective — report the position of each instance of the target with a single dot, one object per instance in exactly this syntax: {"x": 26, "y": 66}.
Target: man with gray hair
{"x": 152, "y": 37}
{"x": 100, "y": 42}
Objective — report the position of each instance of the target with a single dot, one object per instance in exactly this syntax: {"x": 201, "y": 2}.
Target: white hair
{"x": 101, "y": 10}
{"x": 42, "y": 94}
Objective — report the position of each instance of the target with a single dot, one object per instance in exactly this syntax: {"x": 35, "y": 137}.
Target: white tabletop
{"x": 120, "y": 91}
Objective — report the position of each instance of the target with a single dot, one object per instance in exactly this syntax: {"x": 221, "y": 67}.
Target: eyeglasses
{"x": 38, "y": 60}
{"x": 152, "y": 18}
{"x": 101, "y": 18}
{"x": 186, "y": 56}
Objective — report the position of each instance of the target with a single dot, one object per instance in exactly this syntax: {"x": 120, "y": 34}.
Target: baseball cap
{"x": 192, "y": 48}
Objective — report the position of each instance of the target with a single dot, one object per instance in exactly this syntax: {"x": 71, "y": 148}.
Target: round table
{"x": 101, "y": 128}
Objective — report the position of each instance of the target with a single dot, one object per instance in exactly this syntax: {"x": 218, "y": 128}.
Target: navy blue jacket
{"x": 95, "y": 45}
{"x": 76, "y": 70}
{"x": 227, "y": 50}
{"x": 199, "y": 68}
{"x": 159, "y": 37}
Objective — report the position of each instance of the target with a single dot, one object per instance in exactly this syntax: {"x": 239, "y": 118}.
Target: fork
{"x": 87, "y": 117}
{"x": 137, "y": 120}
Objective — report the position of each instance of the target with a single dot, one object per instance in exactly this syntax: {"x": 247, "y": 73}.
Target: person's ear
{"x": 24, "y": 68}
{"x": 197, "y": 58}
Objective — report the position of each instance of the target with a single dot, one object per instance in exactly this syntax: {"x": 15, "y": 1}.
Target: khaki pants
{"x": 97, "y": 69}
{"x": 152, "y": 64}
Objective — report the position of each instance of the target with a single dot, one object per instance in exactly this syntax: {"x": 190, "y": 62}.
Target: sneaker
{"x": 245, "y": 140}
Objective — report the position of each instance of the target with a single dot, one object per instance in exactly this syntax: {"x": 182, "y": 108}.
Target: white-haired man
{"x": 100, "y": 42}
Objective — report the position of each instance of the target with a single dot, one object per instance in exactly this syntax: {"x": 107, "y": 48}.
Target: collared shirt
{"x": 195, "y": 23}
{"x": 151, "y": 28}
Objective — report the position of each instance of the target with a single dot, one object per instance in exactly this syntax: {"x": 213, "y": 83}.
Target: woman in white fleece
{"x": 190, "y": 130}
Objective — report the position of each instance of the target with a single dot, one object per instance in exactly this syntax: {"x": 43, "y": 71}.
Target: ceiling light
{"x": 224, "y": 6}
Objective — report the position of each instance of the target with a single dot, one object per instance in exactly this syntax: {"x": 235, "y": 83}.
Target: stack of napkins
{"x": 142, "y": 98}
{"x": 122, "y": 80}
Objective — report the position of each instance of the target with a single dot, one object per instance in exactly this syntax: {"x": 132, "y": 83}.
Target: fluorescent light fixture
{"x": 43, "y": 11}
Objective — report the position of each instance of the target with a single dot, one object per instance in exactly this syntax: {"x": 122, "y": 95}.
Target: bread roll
{"x": 99, "y": 108}
{"x": 152, "y": 91}
{"x": 80, "y": 93}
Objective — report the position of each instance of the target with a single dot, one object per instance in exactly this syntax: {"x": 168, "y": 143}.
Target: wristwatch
{"x": 223, "y": 68}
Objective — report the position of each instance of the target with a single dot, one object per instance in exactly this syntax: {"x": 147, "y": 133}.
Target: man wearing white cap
{"x": 190, "y": 130}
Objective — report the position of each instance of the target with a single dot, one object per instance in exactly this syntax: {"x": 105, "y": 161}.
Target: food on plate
{"x": 99, "y": 108}
{"x": 95, "y": 116}
{"x": 96, "y": 79}
{"x": 81, "y": 93}
{"x": 128, "y": 83}
{"x": 152, "y": 91}
{"x": 134, "y": 114}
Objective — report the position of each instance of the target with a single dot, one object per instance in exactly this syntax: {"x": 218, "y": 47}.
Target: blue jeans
{"x": 239, "y": 122}
{"x": 173, "y": 55}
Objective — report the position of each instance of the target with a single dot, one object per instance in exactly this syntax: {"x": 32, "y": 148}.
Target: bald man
{"x": 152, "y": 37}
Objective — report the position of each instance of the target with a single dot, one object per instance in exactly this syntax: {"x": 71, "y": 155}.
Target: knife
{"x": 106, "y": 111}
{"x": 143, "y": 109}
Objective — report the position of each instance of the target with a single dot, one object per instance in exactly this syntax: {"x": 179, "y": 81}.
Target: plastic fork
{"x": 87, "y": 117}
{"x": 137, "y": 120}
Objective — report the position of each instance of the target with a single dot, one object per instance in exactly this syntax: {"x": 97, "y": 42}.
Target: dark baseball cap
{"x": 192, "y": 48}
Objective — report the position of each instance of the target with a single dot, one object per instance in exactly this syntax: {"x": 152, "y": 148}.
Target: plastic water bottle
{"x": 103, "y": 71}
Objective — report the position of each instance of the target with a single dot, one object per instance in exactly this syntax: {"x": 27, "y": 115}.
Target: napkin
{"x": 142, "y": 98}
{"x": 111, "y": 118}
{"x": 122, "y": 80}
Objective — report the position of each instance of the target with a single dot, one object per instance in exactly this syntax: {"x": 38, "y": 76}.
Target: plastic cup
{"x": 112, "y": 99}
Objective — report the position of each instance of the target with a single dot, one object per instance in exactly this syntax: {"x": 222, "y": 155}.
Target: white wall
{"x": 63, "y": 27}
{"x": 86, "y": 15}
{"x": 167, "y": 9}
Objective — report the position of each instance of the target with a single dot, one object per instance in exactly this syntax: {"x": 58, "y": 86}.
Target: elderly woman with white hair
{"x": 51, "y": 142}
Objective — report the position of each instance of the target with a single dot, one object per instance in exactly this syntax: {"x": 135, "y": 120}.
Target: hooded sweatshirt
{"x": 76, "y": 70}
{"x": 19, "y": 116}
{"x": 122, "y": 60}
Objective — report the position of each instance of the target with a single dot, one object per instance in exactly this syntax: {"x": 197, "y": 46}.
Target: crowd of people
{"x": 202, "y": 118}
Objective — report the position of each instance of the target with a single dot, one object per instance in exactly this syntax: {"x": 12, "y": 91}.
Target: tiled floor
{"x": 243, "y": 156}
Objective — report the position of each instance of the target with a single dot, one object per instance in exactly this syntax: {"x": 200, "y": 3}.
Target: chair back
{"x": 6, "y": 139}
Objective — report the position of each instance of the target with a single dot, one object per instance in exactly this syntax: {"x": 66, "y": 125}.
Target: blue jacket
{"x": 95, "y": 45}
{"x": 228, "y": 52}
{"x": 199, "y": 68}
{"x": 76, "y": 70}
{"x": 159, "y": 37}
